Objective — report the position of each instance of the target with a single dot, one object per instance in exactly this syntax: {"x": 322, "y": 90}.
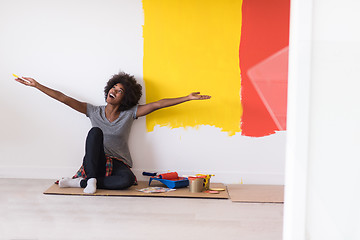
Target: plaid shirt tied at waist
{"x": 109, "y": 167}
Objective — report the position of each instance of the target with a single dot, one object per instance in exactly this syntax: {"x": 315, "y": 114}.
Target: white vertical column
{"x": 300, "y": 47}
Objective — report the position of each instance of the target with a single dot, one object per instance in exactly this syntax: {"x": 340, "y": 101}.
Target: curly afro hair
{"x": 132, "y": 89}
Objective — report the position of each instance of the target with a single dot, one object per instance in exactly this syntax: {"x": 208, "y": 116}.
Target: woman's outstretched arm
{"x": 71, "y": 102}
{"x": 167, "y": 102}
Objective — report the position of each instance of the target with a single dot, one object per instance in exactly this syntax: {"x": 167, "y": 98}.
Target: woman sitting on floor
{"x": 107, "y": 160}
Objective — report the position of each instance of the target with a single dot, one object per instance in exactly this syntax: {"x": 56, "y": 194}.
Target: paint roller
{"x": 167, "y": 176}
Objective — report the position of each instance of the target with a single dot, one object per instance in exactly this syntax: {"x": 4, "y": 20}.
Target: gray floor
{"x": 27, "y": 214}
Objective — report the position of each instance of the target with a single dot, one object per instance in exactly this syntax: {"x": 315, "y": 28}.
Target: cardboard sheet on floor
{"x": 132, "y": 191}
{"x": 256, "y": 193}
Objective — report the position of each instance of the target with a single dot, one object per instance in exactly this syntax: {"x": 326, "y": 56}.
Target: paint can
{"x": 196, "y": 184}
{"x": 206, "y": 180}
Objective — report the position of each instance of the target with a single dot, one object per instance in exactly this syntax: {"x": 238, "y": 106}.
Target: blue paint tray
{"x": 176, "y": 183}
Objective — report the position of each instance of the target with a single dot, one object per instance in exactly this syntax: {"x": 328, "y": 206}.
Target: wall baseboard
{"x": 233, "y": 177}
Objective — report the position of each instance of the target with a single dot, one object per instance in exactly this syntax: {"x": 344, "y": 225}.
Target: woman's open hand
{"x": 27, "y": 81}
{"x": 197, "y": 96}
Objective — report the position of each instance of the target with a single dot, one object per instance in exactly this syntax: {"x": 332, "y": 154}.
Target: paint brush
{"x": 21, "y": 78}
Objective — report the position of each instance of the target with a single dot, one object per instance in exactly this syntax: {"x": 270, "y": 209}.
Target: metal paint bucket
{"x": 196, "y": 184}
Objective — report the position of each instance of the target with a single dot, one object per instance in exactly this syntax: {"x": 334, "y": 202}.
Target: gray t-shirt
{"x": 116, "y": 133}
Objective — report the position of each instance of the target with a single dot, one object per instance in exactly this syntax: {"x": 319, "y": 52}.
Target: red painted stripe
{"x": 265, "y": 31}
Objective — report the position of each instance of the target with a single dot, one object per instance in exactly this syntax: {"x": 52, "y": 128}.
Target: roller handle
{"x": 149, "y": 174}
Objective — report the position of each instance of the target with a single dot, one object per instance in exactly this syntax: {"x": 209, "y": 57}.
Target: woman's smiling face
{"x": 116, "y": 94}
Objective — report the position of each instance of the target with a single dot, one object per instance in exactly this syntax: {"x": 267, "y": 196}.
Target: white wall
{"x": 322, "y": 169}
{"x": 75, "y": 47}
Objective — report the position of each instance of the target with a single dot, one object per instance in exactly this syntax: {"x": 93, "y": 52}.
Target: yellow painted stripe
{"x": 193, "y": 45}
